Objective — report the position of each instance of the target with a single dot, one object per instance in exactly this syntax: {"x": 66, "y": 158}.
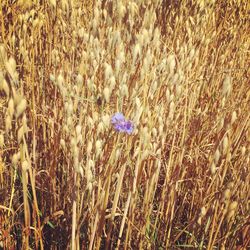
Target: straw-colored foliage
{"x": 179, "y": 70}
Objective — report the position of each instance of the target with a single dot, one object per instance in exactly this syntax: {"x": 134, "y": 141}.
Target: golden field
{"x": 178, "y": 71}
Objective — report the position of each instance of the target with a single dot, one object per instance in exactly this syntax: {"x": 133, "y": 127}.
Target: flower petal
{"x": 117, "y": 117}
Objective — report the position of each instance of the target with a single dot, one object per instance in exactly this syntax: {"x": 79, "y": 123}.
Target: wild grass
{"x": 179, "y": 70}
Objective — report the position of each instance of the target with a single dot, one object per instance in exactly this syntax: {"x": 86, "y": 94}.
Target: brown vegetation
{"x": 179, "y": 70}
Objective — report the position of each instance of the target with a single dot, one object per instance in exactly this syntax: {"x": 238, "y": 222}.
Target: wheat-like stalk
{"x": 124, "y": 124}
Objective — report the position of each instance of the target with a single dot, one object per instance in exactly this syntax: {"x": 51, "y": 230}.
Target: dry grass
{"x": 179, "y": 71}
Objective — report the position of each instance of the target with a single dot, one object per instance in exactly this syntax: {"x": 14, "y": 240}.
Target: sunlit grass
{"x": 171, "y": 171}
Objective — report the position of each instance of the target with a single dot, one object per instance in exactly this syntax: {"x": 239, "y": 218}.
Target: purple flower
{"x": 120, "y": 124}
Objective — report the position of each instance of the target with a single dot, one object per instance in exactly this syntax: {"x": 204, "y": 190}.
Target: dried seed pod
{"x": 1, "y": 141}
{"x": 8, "y": 124}
{"x": 62, "y": 143}
{"x": 100, "y": 128}
{"x": 95, "y": 116}
{"x": 17, "y": 97}
{"x": 217, "y": 156}
{"x": 124, "y": 90}
{"x": 80, "y": 171}
{"x": 1, "y": 76}
{"x": 117, "y": 154}
{"x": 24, "y": 123}
{"x": 15, "y": 158}
{"x": 98, "y": 147}
{"x": 171, "y": 64}
{"x": 90, "y": 122}
{"x": 243, "y": 150}
{"x": 178, "y": 90}
{"x": 70, "y": 109}
{"x": 25, "y": 166}
{"x": 11, "y": 107}
{"x": 203, "y": 211}
{"x": 78, "y": 129}
{"x": 106, "y": 94}
{"x": 21, "y": 108}
{"x": 112, "y": 83}
{"x": 108, "y": 71}
{"x": 199, "y": 220}
{"x": 227, "y": 86}
{"x": 154, "y": 132}
{"x": 3, "y": 54}
{"x": 60, "y": 80}
{"x": 225, "y": 145}
{"x": 73, "y": 143}
{"x": 227, "y": 194}
{"x": 230, "y": 215}
{"x": 79, "y": 80}
{"x": 52, "y": 3}
{"x": 5, "y": 87}
{"x": 213, "y": 168}
{"x": 234, "y": 117}
{"x": 20, "y": 134}
{"x": 79, "y": 139}
{"x": 106, "y": 120}
{"x": 230, "y": 185}
{"x": 11, "y": 68}
{"x": 137, "y": 102}
{"x": 233, "y": 206}
{"x": 136, "y": 52}
{"x": 171, "y": 110}
{"x": 145, "y": 154}
{"x": 221, "y": 124}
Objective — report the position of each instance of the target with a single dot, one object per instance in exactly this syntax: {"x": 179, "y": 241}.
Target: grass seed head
{"x": 20, "y": 134}
{"x": 108, "y": 71}
{"x": 100, "y": 128}
{"x": 11, "y": 107}
{"x": 233, "y": 117}
{"x": 21, "y": 107}
{"x": 124, "y": 90}
{"x": 225, "y": 144}
{"x": 106, "y": 94}
{"x": 171, "y": 64}
{"x": 79, "y": 80}
{"x": 213, "y": 168}
{"x": 203, "y": 211}
{"x": 78, "y": 129}
{"x": 221, "y": 124}
{"x": 112, "y": 83}
{"x": 227, "y": 194}
{"x": 217, "y": 156}
{"x": 5, "y": 87}
{"x": 136, "y": 52}
{"x": 233, "y": 206}
{"x": 1, "y": 140}
{"x": 106, "y": 120}
{"x": 227, "y": 86}
{"x": 3, "y": 54}
{"x": 230, "y": 215}
{"x": 117, "y": 154}
{"x": 80, "y": 171}
{"x": 25, "y": 166}
{"x": 11, "y": 67}
{"x": 98, "y": 147}
{"x": 243, "y": 150}
{"x": 15, "y": 159}
{"x": 8, "y": 123}
{"x": 62, "y": 143}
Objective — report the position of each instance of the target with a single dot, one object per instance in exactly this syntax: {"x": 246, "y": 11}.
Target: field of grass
{"x": 178, "y": 71}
